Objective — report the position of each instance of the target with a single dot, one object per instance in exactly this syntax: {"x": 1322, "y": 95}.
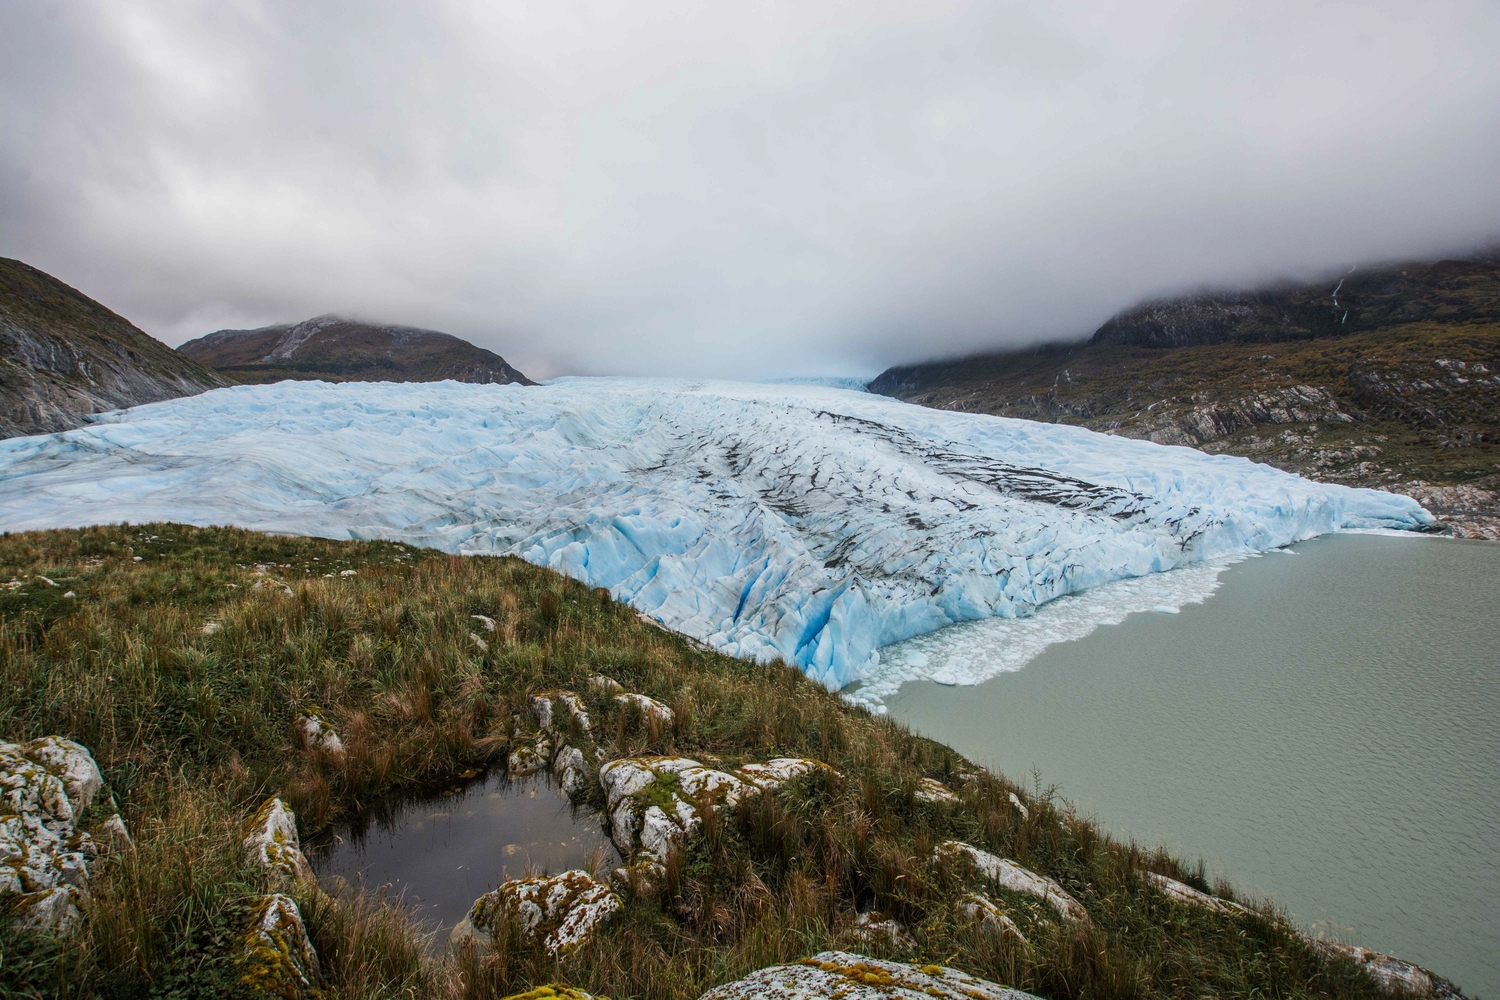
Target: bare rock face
{"x": 64, "y": 356}
{"x": 278, "y": 956}
{"x": 1393, "y": 974}
{"x": 847, "y": 976}
{"x": 1009, "y": 875}
{"x": 1181, "y": 892}
{"x": 271, "y": 840}
{"x": 45, "y": 787}
{"x": 557, "y": 913}
{"x": 656, "y": 803}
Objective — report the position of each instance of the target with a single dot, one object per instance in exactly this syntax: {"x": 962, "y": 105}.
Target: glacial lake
{"x": 436, "y": 855}
{"x": 1324, "y": 731}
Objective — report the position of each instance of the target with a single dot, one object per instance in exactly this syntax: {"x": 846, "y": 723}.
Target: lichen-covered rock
{"x": 45, "y": 786}
{"x": 271, "y": 840}
{"x": 531, "y": 757}
{"x": 558, "y": 913}
{"x": 553, "y": 991}
{"x": 877, "y": 927}
{"x": 544, "y": 703}
{"x": 278, "y": 956}
{"x": 569, "y": 768}
{"x": 1181, "y": 892}
{"x": 934, "y": 792}
{"x": 319, "y": 732}
{"x": 977, "y": 908}
{"x": 1009, "y": 875}
{"x": 839, "y": 974}
{"x": 655, "y": 803}
{"x": 651, "y": 710}
{"x": 1393, "y": 974}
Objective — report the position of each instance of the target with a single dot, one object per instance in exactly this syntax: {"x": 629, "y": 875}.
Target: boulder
{"x": 655, "y": 803}
{"x": 977, "y": 908}
{"x": 271, "y": 840}
{"x": 847, "y": 976}
{"x": 319, "y": 732}
{"x": 529, "y": 758}
{"x": 45, "y": 787}
{"x": 605, "y": 685}
{"x": 877, "y": 927}
{"x": 569, "y": 768}
{"x": 651, "y": 710}
{"x": 1393, "y": 974}
{"x": 558, "y": 912}
{"x": 1009, "y": 875}
{"x": 544, "y": 704}
{"x": 934, "y": 792}
{"x": 1181, "y": 892}
{"x": 278, "y": 956}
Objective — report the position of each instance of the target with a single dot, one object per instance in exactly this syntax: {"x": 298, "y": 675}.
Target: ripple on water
{"x": 439, "y": 854}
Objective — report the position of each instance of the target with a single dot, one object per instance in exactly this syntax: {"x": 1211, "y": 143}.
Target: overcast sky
{"x": 732, "y": 189}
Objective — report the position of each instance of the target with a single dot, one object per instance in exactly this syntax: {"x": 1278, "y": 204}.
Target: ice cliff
{"x": 798, "y": 521}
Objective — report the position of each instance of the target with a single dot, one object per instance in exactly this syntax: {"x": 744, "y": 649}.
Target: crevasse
{"x": 804, "y": 522}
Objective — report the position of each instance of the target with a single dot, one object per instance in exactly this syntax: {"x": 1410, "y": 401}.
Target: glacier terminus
{"x": 797, "y": 521}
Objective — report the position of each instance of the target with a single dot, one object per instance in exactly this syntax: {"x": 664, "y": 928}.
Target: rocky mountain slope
{"x": 335, "y": 349}
{"x": 1397, "y": 386}
{"x": 64, "y": 356}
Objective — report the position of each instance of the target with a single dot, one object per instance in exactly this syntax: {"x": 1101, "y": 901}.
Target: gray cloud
{"x": 784, "y": 188}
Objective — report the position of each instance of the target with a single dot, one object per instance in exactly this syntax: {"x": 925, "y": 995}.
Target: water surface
{"x": 1323, "y": 731}
{"x": 438, "y": 855}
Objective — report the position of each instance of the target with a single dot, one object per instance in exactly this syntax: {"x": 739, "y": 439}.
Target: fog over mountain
{"x": 788, "y": 188}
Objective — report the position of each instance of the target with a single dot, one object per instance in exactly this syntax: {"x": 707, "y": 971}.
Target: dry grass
{"x": 194, "y": 729}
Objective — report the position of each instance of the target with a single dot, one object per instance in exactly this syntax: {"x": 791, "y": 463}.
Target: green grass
{"x": 194, "y": 730}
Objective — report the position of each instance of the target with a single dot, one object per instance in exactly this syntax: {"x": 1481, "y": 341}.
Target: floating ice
{"x": 805, "y": 522}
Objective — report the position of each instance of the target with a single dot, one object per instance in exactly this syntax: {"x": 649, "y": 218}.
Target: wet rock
{"x": 656, "y": 803}
{"x": 278, "y": 956}
{"x": 844, "y": 975}
{"x": 1393, "y": 974}
{"x": 271, "y": 840}
{"x": 529, "y": 758}
{"x": 934, "y": 792}
{"x": 570, "y": 770}
{"x": 1181, "y": 892}
{"x": 319, "y": 732}
{"x": 1009, "y": 875}
{"x": 558, "y": 913}
{"x": 651, "y": 710}
{"x": 977, "y": 908}
{"x": 874, "y": 926}
{"x": 45, "y": 786}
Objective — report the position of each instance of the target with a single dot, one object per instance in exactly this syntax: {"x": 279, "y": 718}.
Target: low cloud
{"x": 795, "y": 188}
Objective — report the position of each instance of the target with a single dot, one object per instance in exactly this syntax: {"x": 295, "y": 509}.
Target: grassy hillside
{"x": 194, "y": 728}
{"x": 63, "y": 356}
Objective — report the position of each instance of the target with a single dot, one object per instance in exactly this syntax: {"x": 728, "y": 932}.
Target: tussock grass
{"x": 194, "y": 727}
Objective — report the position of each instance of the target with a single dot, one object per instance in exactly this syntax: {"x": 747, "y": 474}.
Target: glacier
{"x": 805, "y": 522}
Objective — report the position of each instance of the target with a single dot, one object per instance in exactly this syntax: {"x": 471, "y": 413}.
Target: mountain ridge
{"x": 64, "y": 356}
{"x": 339, "y": 349}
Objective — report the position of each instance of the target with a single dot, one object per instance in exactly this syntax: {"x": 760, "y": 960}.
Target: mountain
{"x": 64, "y": 356}
{"x": 335, "y": 349}
{"x": 1387, "y": 377}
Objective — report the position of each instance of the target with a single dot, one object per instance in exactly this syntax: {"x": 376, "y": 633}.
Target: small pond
{"x": 437, "y": 855}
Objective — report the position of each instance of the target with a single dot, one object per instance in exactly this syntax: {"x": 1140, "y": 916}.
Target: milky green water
{"x": 1324, "y": 731}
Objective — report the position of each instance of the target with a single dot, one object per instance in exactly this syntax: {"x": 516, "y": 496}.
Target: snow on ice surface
{"x": 807, "y": 522}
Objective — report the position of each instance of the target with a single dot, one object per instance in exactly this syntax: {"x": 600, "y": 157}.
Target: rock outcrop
{"x": 1181, "y": 892}
{"x": 656, "y": 803}
{"x": 557, "y": 913}
{"x": 977, "y": 908}
{"x": 846, "y": 976}
{"x": 319, "y": 732}
{"x": 46, "y": 786}
{"x": 64, "y": 356}
{"x": 1008, "y": 875}
{"x": 1393, "y": 974}
{"x": 277, "y": 954}
{"x": 271, "y": 841}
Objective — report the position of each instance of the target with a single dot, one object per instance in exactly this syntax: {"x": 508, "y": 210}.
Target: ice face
{"x": 804, "y": 522}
